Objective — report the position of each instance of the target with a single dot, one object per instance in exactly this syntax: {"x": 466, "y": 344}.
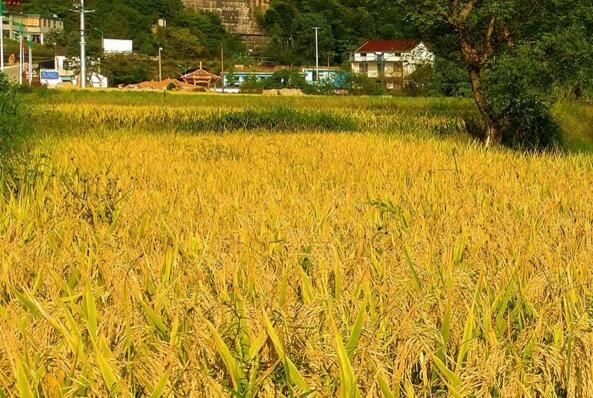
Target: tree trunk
{"x": 493, "y": 135}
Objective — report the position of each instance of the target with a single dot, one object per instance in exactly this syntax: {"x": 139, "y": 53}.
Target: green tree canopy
{"x": 511, "y": 51}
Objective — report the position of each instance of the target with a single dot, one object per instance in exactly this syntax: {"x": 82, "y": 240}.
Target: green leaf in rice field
{"x": 159, "y": 389}
{"x": 451, "y": 379}
{"x": 233, "y": 368}
{"x": 30, "y": 304}
{"x": 90, "y": 311}
{"x": 256, "y": 346}
{"x": 349, "y": 384}
{"x": 22, "y": 380}
{"x": 103, "y": 355}
{"x": 290, "y": 369}
{"x": 385, "y": 389}
{"x": 352, "y": 343}
{"x": 445, "y": 330}
{"x": 306, "y": 287}
{"x": 242, "y": 315}
{"x": 155, "y": 319}
{"x": 36, "y": 309}
{"x": 412, "y": 268}
{"x": 283, "y": 288}
{"x": 468, "y": 335}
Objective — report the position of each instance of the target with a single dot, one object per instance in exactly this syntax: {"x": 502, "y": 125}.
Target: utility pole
{"x": 317, "y": 53}
{"x": 80, "y": 8}
{"x": 82, "y": 48}
{"x": 2, "y": 35}
{"x": 160, "y": 64}
{"x": 21, "y": 50}
{"x": 222, "y": 64}
{"x": 30, "y": 71}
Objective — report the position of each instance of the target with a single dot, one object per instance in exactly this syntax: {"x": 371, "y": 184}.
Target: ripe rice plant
{"x": 377, "y": 263}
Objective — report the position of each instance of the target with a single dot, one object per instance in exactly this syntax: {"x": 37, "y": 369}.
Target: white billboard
{"x": 114, "y": 46}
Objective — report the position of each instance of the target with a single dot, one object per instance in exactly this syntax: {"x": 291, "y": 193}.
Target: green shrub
{"x": 128, "y": 69}
{"x": 449, "y": 79}
{"x": 286, "y": 79}
{"x": 12, "y": 115}
{"x": 360, "y": 84}
{"x": 251, "y": 85}
{"x": 521, "y": 109}
{"x": 417, "y": 83}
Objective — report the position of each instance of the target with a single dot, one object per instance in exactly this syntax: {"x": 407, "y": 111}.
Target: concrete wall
{"x": 237, "y": 15}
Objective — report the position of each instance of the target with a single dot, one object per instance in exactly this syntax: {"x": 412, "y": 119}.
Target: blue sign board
{"x": 50, "y": 75}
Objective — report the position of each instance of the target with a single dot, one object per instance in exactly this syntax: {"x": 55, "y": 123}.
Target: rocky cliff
{"x": 239, "y": 16}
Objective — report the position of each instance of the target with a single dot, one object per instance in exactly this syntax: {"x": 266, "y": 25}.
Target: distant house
{"x": 33, "y": 25}
{"x": 390, "y": 61}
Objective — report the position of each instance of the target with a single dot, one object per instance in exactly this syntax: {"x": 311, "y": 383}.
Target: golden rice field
{"x": 166, "y": 262}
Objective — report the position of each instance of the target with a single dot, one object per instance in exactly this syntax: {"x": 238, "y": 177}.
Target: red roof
{"x": 377, "y": 46}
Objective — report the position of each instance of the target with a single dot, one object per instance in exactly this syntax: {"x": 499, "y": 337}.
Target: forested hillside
{"x": 344, "y": 24}
{"x": 189, "y": 34}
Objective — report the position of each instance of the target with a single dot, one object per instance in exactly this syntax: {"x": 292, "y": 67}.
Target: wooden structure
{"x": 200, "y": 78}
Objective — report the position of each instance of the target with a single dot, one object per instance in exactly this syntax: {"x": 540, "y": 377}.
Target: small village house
{"x": 390, "y": 62}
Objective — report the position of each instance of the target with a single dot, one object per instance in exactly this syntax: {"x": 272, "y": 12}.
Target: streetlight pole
{"x": 316, "y": 53}
{"x": 100, "y": 30}
{"x": 160, "y": 64}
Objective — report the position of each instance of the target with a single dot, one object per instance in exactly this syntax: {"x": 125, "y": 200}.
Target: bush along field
{"x": 185, "y": 246}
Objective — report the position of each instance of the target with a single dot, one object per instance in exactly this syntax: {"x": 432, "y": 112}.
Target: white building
{"x": 33, "y": 25}
{"x": 390, "y": 61}
{"x": 66, "y": 68}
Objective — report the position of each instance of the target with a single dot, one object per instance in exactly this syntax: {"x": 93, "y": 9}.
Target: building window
{"x": 364, "y": 67}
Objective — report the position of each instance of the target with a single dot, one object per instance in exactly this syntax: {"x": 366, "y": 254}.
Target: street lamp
{"x": 160, "y": 64}
{"x": 102, "y": 33}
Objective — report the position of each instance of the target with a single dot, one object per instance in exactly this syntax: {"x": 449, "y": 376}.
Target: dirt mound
{"x": 155, "y": 85}
{"x": 284, "y": 92}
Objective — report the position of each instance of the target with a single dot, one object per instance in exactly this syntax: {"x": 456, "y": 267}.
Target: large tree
{"x": 480, "y": 31}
